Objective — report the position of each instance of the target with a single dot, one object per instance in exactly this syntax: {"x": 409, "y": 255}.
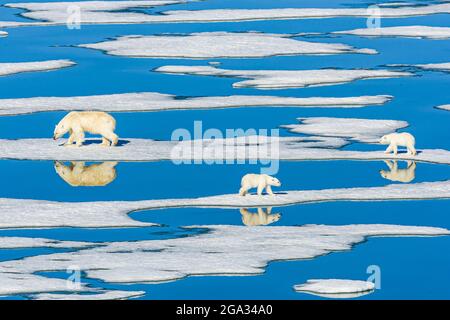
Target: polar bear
{"x": 76, "y": 123}
{"x": 77, "y": 174}
{"x": 262, "y": 218}
{"x": 260, "y": 181}
{"x": 400, "y": 175}
{"x": 403, "y": 139}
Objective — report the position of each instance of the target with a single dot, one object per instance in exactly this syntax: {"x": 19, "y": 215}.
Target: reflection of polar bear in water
{"x": 76, "y": 123}
{"x": 78, "y": 175}
{"x": 260, "y": 181}
{"x": 395, "y": 140}
{"x": 262, "y": 218}
{"x": 402, "y": 175}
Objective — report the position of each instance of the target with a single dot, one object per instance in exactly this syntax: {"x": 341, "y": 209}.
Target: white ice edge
{"x": 445, "y": 66}
{"x": 21, "y": 242}
{"x": 336, "y": 288}
{"x": 223, "y": 250}
{"x": 101, "y": 295}
{"x": 24, "y": 213}
{"x": 103, "y": 13}
{"x": 428, "y": 32}
{"x": 153, "y": 101}
{"x": 283, "y": 79}
{"x": 20, "y": 67}
{"x": 362, "y": 130}
{"x": 243, "y": 148}
{"x": 444, "y": 107}
{"x": 208, "y": 45}
{"x": 3, "y": 33}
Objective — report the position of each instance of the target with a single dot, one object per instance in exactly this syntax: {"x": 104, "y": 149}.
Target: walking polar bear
{"x": 395, "y": 140}
{"x": 77, "y": 123}
{"x": 262, "y": 218}
{"x": 77, "y": 174}
{"x": 259, "y": 181}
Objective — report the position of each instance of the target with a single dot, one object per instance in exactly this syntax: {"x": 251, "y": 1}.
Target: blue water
{"x": 412, "y": 267}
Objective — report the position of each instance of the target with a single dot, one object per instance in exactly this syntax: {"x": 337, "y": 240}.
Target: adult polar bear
{"x": 94, "y": 122}
{"x": 260, "y": 181}
{"x": 395, "y": 140}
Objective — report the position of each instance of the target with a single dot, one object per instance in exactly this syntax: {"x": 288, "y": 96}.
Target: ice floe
{"x": 27, "y": 213}
{"x": 255, "y": 148}
{"x": 95, "y": 295}
{"x": 153, "y": 101}
{"x": 445, "y": 66}
{"x": 436, "y": 33}
{"x": 207, "y": 45}
{"x": 363, "y": 130}
{"x": 19, "y": 67}
{"x": 117, "y": 12}
{"x": 19, "y": 242}
{"x": 336, "y": 288}
{"x": 223, "y": 250}
{"x": 444, "y": 107}
{"x": 24, "y": 213}
{"x": 282, "y": 79}
{"x": 3, "y": 33}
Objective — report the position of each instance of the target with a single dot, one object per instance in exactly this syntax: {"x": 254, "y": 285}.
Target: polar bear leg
{"x": 394, "y": 149}
{"x": 105, "y": 142}
{"x": 243, "y": 191}
{"x": 389, "y": 149}
{"x": 411, "y": 149}
{"x": 79, "y": 138}
{"x": 71, "y": 139}
{"x": 269, "y": 190}
{"x": 260, "y": 189}
{"x": 112, "y": 137}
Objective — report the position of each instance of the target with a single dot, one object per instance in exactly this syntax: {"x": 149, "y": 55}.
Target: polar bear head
{"x": 61, "y": 128}
{"x": 385, "y": 174}
{"x": 271, "y": 181}
{"x": 386, "y": 139}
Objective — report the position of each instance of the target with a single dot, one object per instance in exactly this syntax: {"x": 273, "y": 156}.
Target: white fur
{"x": 94, "y": 122}
{"x": 261, "y": 218}
{"x": 78, "y": 174}
{"x": 395, "y": 140}
{"x": 401, "y": 175}
{"x": 259, "y": 181}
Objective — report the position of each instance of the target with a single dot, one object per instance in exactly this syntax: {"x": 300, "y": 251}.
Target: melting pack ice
{"x": 336, "y": 288}
{"x": 282, "y": 79}
{"x": 24, "y": 213}
{"x": 436, "y": 33}
{"x": 19, "y": 67}
{"x": 153, "y": 101}
{"x": 445, "y": 66}
{"x": 255, "y": 148}
{"x": 207, "y": 45}
{"x": 223, "y": 250}
{"x": 113, "y": 12}
{"x": 363, "y": 130}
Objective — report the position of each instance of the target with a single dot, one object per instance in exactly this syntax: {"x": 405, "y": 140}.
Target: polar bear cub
{"x": 94, "y": 122}
{"x": 395, "y": 140}
{"x": 259, "y": 181}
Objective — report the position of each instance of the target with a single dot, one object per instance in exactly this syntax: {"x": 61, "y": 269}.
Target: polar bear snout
{"x": 275, "y": 183}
